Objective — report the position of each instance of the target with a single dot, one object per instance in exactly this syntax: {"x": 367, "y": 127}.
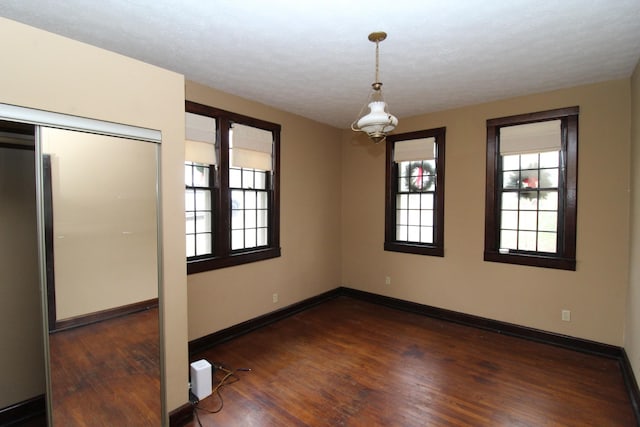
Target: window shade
{"x": 251, "y": 147}
{"x": 414, "y": 149}
{"x": 200, "y": 141}
{"x": 531, "y": 138}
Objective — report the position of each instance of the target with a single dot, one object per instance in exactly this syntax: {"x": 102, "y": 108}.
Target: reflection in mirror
{"x": 22, "y": 370}
{"x": 101, "y": 243}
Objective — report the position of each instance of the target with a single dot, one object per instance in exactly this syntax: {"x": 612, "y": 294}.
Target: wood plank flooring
{"x": 352, "y": 363}
{"x": 108, "y": 373}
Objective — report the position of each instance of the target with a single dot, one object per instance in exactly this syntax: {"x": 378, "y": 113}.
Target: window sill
{"x": 414, "y": 249}
{"x": 533, "y": 260}
{"x": 207, "y": 264}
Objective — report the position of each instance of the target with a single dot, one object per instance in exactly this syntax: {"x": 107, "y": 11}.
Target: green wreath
{"x": 420, "y": 176}
{"x": 528, "y": 179}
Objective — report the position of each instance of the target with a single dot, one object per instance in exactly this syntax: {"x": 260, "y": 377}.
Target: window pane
{"x": 509, "y": 200}
{"x": 547, "y": 242}
{"x": 404, "y": 169}
{"x": 401, "y": 233}
{"x": 414, "y": 201}
{"x": 426, "y": 201}
{"x": 203, "y": 244}
{"x": 250, "y": 238}
{"x": 402, "y": 201}
{"x": 429, "y": 175}
{"x": 529, "y": 161}
{"x": 203, "y": 200}
{"x": 200, "y": 175}
{"x": 235, "y": 178}
{"x": 402, "y": 216}
{"x": 549, "y": 200}
{"x": 550, "y": 159}
{"x": 549, "y": 178}
{"x": 203, "y": 222}
{"x": 509, "y": 220}
{"x": 509, "y": 239}
{"x": 250, "y": 199}
{"x": 237, "y": 239}
{"x": 250, "y": 218}
{"x": 188, "y": 174}
{"x": 262, "y": 237}
{"x": 261, "y": 180}
{"x": 528, "y": 220}
{"x": 547, "y": 221}
{"x": 263, "y": 200}
{"x": 189, "y": 199}
{"x": 527, "y": 240}
{"x": 247, "y": 178}
{"x": 426, "y": 234}
{"x": 237, "y": 199}
{"x": 414, "y": 234}
{"x": 426, "y": 218}
{"x": 262, "y": 218}
{"x": 190, "y": 222}
{"x": 237, "y": 219}
{"x": 414, "y": 217}
{"x": 529, "y": 178}
{"x": 191, "y": 245}
{"x": 403, "y": 184}
{"x": 510, "y": 179}
{"x": 510, "y": 163}
{"x": 529, "y": 200}
{"x": 430, "y": 165}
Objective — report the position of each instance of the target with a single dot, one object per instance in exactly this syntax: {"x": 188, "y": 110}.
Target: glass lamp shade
{"x": 378, "y": 122}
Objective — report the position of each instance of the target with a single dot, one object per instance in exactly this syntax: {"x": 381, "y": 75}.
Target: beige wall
{"x": 632, "y": 331}
{"x": 105, "y": 226}
{"x": 53, "y": 73}
{"x": 309, "y": 226}
{"x": 21, "y": 364}
{"x": 462, "y": 281}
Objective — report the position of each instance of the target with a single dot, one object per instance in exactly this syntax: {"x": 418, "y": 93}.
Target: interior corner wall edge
{"x": 632, "y": 329}
{"x": 49, "y": 72}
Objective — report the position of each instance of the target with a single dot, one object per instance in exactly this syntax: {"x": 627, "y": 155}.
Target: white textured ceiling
{"x": 313, "y": 58}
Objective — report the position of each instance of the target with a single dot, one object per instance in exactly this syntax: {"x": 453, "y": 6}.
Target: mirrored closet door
{"x": 98, "y": 249}
{"x": 22, "y": 371}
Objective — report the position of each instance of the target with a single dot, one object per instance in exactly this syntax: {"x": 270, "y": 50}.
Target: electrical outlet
{"x": 387, "y": 280}
{"x": 566, "y": 315}
{"x": 275, "y": 298}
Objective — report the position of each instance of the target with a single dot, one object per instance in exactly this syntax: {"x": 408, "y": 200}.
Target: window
{"x": 231, "y": 188}
{"x": 531, "y": 200}
{"x": 414, "y": 212}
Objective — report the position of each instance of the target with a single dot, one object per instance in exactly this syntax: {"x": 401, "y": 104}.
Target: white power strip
{"x": 201, "y": 379}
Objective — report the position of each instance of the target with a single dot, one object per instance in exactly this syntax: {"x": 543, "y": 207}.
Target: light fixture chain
{"x": 377, "y": 61}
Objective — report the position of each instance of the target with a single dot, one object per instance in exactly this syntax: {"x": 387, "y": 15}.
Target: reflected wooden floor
{"x": 107, "y": 373}
{"x": 351, "y": 363}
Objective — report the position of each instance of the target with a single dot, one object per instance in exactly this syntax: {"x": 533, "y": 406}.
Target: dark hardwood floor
{"x": 107, "y": 373}
{"x": 352, "y": 363}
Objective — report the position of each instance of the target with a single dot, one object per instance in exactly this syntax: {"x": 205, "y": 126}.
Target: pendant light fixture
{"x": 378, "y": 122}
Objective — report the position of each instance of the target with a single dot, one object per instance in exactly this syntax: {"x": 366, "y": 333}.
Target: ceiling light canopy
{"x": 378, "y": 122}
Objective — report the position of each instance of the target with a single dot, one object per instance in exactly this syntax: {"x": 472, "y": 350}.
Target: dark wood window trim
{"x": 391, "y": 179}
{"x": 565, "y": 258}
{"x": 223, "y": 256}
